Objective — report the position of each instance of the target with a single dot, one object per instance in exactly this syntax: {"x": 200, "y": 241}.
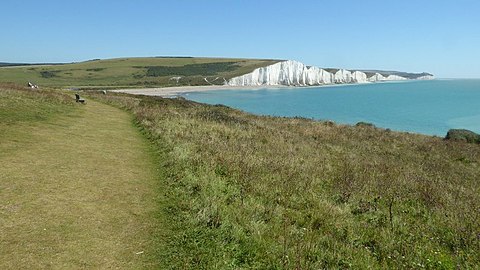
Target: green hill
{"x": 133, "y": 72}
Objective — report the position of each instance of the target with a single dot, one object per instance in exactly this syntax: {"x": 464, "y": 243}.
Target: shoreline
{"x": 181, "y": 90}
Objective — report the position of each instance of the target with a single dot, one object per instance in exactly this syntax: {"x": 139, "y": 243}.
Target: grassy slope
{"x": 266, "y": 193}
{"x": 77, "y": 185}
{"x": 122, "y": 72}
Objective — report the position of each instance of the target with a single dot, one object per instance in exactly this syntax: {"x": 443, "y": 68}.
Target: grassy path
{"x": 76, "y": 192}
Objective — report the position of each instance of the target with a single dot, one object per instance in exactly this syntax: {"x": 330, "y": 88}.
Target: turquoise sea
{"x": 427, "y": 107}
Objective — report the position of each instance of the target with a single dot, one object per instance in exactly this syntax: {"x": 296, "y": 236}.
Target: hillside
{"x": 132, "y": 72}
{"x": 252, "y": 192}
{"x": 5, "y": 64}
{"x": 234, "y": 190}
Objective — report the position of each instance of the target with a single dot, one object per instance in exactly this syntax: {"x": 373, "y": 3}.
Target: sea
{"x": 429, "y": 107}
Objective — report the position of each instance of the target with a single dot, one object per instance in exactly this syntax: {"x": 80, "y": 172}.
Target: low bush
{"x": 205, "y": 69}
{"x": 48, "y": 74}
{"x": 463, "y": 135}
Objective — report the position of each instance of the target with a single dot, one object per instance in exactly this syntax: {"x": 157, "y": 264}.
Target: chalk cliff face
{"x": 426, "y": 77}
{"x": 343, "y": 76}
{"x": 395, "y": 78}
{"x": 291, "y": 73}
{"x": 294, "y": 73}
{"x": 377, "y": 77}
{"x": 359, "y": 77}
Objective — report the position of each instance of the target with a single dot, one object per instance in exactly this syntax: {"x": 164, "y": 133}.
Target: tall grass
{"x": 289, "y": 193}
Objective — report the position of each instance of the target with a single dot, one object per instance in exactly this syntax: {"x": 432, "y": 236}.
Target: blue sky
{"x": 442, "y": 37}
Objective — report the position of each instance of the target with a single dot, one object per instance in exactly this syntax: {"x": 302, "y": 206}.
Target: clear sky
{"x": 438, "y": 36}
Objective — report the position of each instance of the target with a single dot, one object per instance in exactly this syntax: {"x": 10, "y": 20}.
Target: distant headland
{"x": 162, "y": 72}
{"x": 294, "y": 73}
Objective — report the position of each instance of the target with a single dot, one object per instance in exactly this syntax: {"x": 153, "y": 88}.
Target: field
{"x": 132, "y": 72}
{"x": 251, "y": 192}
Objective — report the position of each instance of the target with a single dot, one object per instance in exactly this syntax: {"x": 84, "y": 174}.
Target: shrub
{"x": 48, "y": 74}
{"x": 463, "y": 135}
{"x": 206, "y": 69}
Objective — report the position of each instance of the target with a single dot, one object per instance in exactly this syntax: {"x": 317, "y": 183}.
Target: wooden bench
{"x": 78, "y": 99}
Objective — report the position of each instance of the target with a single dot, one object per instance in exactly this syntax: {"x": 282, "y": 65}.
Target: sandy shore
{"x": 180, "y": 90}
{"x": 175, "y": 91}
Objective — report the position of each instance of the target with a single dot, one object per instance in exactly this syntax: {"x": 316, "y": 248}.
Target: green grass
{"x": 132, "y": 72}
{"x": 24, "y": 105}
{"x": 251, "y": 192}
{"x": 217, "y": 188}
{"x": 78, "y": 185}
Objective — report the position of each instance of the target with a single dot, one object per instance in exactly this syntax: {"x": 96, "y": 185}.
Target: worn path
{"x": 77, "y": 192}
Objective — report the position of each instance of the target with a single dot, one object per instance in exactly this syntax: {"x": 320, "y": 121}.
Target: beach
{"x": 178, "y": 90}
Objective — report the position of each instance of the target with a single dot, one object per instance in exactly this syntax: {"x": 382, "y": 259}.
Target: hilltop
{"x": 132, "y": 72}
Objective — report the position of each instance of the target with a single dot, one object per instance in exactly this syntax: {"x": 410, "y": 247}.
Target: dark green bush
{"x": 207, "y": 69}
{"x": 48, "y": 74}
{"x": 463, "y": 135}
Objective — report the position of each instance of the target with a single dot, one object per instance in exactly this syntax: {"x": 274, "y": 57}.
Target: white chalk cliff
{"x": 426, "y": 77}
{"x": 294, "y": 73}
{"x": 377, "y": 77}
{"x": 395, "y": 78}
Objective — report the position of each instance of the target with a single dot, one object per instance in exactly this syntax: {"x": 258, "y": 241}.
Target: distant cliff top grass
{"x": 132, "y": 72}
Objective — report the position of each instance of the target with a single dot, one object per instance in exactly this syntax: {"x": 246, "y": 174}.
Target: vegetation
{"x": 332, "y": 70}
{"x": 19, "y": 104}
{"x": 78, "y": 185}
{"x": 132, "y": 72}
{"x": 364, "y": 124}
{"x": 226, "y": 189}
{"x": 463, "y": 135}
{"x": 207, "y": 69}
{"x": 252, "y": 192}
{"x": 95, "y": 69}
{"x": 48, "y": 74}
{"x": 3, "y": 64}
